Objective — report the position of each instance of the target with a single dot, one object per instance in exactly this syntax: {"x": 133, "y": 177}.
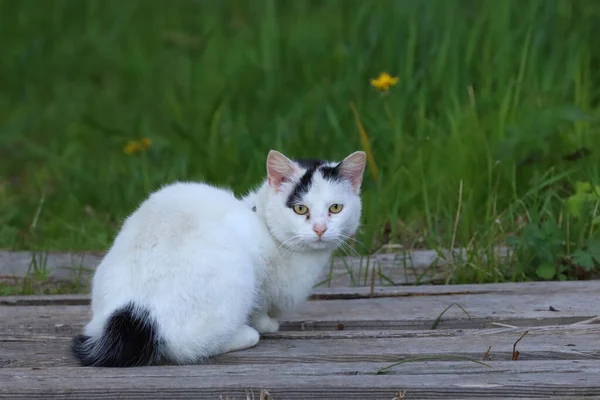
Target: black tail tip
{"x": 79, "y": 348}
{"x": 129, "y": 339}
{"x": 78, "y": 340}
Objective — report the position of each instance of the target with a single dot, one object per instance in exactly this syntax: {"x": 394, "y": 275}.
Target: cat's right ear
{"x": 279, "y": 169}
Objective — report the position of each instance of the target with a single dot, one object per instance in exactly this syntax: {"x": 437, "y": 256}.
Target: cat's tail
{"x": 129, "y": 339}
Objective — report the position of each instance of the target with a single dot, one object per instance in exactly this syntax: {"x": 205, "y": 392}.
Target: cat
{"x": 195, "y": 271}
{"x": 310, "y": 207}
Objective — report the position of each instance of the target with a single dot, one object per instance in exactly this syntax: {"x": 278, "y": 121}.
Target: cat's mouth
{"x": 321, "y": 243}
{"x": 321, "y": 239}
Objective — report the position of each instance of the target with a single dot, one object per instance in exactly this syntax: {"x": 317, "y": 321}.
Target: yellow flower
{"x": 384, "y": 81}
{"x": 134, "y": 146}
{"x": 146, "y": 143}
{"x": 131, "y": 147}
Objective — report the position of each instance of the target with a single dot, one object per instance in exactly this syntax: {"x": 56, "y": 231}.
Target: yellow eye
{"x": 300, "y": 209}
{"x": 335, "y": 208}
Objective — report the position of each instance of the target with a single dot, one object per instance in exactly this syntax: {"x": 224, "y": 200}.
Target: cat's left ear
{"x": 353, "y": 168}
{"x": 279, "y": 169}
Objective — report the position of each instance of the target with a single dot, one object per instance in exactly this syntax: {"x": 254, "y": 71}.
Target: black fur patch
{"x": 303, "y": 186}
{"x": 130, "y": 338}
{"x": 331, "y": 173}
{"x": 309, "y": 163}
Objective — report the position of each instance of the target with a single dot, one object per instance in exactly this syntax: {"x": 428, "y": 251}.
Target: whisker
{"x": 349, "y": 250}
{"x": 348, "y": 246}
{"x": 289, "y": 243}
{"x": 356, "y": 241}
{"x": 341, "y": 245}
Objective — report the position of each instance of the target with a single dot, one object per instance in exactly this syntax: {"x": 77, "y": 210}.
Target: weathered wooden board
{"x": 526, "y": 304}
{"x": 398, "y": 268}
{"x": 333, "y": 346}
{"x": 459, "y": 380}
{"x": 554, "y": 343}
{"x": 583, "y": 288}
{"x": 416, "y": 367}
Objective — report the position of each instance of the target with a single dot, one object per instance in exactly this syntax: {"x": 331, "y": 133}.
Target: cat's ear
{"x": 353, "y": 168}
{"x": 279, "y": 168}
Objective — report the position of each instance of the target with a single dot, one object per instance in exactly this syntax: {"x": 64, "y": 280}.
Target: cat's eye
{"x": 335, "y": 208}
{"x": 300, "y": 209}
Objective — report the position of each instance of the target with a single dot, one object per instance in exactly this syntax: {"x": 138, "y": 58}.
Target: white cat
{"x": 196, "y": 272}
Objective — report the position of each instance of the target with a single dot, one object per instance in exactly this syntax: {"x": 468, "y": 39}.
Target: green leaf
{"x": 583, "y": 187}
{"x": 575, "y": 204}
{"x": 546, "y": 271}
{"x": 583, "y": 259}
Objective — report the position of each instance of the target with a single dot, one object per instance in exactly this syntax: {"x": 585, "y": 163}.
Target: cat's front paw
{"x": 265, "y": 324}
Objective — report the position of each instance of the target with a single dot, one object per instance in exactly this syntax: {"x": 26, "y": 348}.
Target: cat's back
{"x": 193, "y": 198}
{"x": 181, "y": 234}
{"x": 184, "y": 211}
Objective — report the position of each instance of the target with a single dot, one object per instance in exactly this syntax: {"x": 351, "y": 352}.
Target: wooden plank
{"x": 69, "y": 324}
{"x": 513, "y": 288}
{"x": 528, "y": 304}
{"x": 578, "y": 342}
{"x": 582, "y": 288}
{"x": 416, "y": 367}
{"x": 522, "y": 304}
{"x": 301, "y": 381}
{"x": 579, "y": 327}
{"x": 401, "y": 268}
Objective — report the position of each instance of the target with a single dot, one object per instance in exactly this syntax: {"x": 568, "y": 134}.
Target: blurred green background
{"x": 489, "y": 138}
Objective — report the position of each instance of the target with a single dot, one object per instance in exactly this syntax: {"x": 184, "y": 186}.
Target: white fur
{"x": 207, "y": 266}
{"x": 189, "y": 254}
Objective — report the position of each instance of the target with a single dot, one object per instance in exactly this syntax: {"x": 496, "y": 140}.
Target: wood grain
{"x": 418, "y": 308}
{"x": 302, "y": 381}
{"x": 582, "y": 288}
{"x": 333, "y": 346}
{"x": 556, "y": 343}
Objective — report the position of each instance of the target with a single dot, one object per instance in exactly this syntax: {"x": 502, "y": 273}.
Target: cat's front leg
{"x": 263, "y": 323}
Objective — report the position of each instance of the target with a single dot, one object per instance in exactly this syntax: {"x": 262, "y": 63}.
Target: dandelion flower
{"x": 384, "y": 81}
{"x": 132, "y": 147}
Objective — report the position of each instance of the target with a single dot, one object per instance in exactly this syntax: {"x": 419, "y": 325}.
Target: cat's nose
{"x": 319, "y": 229}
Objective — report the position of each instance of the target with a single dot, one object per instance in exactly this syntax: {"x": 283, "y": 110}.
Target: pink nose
{"x": 319, "y": 229}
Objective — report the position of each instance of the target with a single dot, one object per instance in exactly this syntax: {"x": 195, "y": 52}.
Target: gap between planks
{"x": 353, "y": 293}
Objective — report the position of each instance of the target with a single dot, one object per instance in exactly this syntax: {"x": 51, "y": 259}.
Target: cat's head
{"x": 311, "y": 203}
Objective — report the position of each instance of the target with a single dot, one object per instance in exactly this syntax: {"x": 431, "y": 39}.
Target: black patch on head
{"x": 303, "y": 186}
{"x": 331, "y": 173}
{"x": 130, "y": 338}
{"x": 309, "y": 163}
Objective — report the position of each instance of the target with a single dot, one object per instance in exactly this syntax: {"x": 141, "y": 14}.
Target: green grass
{"x": 493, "y": 121}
